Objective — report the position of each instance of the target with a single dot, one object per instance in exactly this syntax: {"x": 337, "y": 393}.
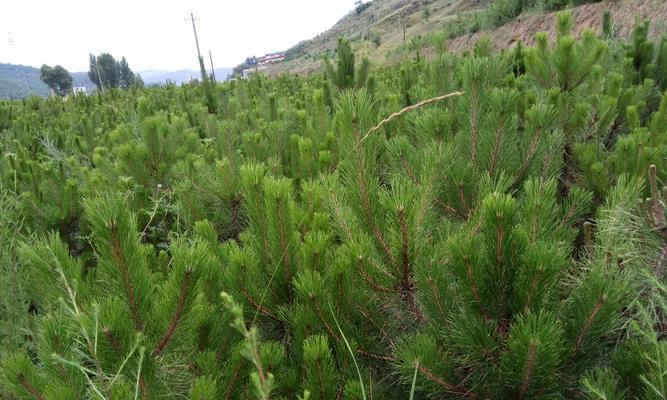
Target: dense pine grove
{"x": 477, "y": 226}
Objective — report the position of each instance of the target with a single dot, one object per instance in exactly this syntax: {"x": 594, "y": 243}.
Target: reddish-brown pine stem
{"x": 369, "y": 280}
{"x": 462, "y": 199}
{"x": 587, "y": 325}
{"x": 657, "y": 208}
{"x": 29, "y": 387}
{"x": 113, "y": 340}
{"x": 450, "y": 387}
{"x": 260, "y": 308}
{"x": 473, "y": 124}
{"x": 318, "y": 310}
{"x": 407, "y": 281}
{"x": 530, "y": 364}
{"x": 529, "y": 157}
{"x": 383, "y": 333}
{"x": 284, "y": 257}
{"x": 320, "y": 378}
{"x": 232, "y": 383}
{"x": 178, "y": 313}
{"x": 144, "y": 389}
{"x": 473, "y": 287}
{"x": 588, "y": 238}
{"x": 374, "y": 356}
{"x": 123, "y": 269}
{"x": 533, "y": 288}
{"x": 436, "y": 297}
{"x": 503, "y": 323}
{"x": 496, "y": 145}
{"x": 366, "y": 202}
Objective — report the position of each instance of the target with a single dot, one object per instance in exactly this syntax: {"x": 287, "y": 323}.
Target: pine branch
{"x": 529, "y": 157}
{"x": 657, "y": 208}
{"x": 450, "y": 387}
{"x": 369, "y": 280}
{"x": 113, "y": 340}
{"x": 533, "y": 289}
{"x": 318, "y": 310}
{"x": 30, "y": 388}
{"x": 496, "y": 145}
{"x": 436, "y": 297}
{"x": 407, "y": 283}
{"x": 366, "y": 206}
{"x": 587, "y": 325}
{"x": 530, "y": 364}
{"x": 473, "y": 287}
{"x": 235, "y": 377}
{"x": 178, "y": 313}
{"x": 283, "y": 249}
{"x": 118, "y": 259}
{"x": 374, "y": 356}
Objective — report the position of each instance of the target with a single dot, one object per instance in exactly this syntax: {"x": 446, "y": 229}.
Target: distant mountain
{"x": 157, "y": 77}
{"x": 20, "y": 81}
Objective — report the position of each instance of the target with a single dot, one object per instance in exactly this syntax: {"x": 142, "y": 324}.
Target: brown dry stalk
{"x": 408, "y": 109}
{"x": 588, "y": 324}
{"x": 530, "y": 364}
{"x": 178, "y": 313}
{"x": 119, "y": 260}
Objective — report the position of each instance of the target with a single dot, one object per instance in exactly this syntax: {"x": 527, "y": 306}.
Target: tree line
{"x": 105, "y": 72}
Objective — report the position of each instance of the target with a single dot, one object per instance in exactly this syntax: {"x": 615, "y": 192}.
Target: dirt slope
{"x": 377, "y": 31}
{"x": 625, "y": 14}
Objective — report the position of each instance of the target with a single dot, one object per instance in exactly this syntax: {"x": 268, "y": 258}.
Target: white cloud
{"x": 155, "y": 34}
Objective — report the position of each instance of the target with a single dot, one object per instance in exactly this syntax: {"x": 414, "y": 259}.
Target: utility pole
{"x": 99, "y": 77}
{"x": 199, "y": 57}
{"x": 210, "y": 56}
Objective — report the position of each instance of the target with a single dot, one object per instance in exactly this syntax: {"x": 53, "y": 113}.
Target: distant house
{"x": 79, "y": 89}
{"x": 249, "y": 71}
{"x": 270, "y": 58}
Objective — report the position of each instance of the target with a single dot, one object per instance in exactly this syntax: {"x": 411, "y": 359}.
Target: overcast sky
{"x": 153, "y": 34}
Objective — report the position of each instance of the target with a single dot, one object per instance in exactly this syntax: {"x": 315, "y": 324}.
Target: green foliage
{"x": 346, "y": 74}
{"x": 343, "y": 235}
{"x": 56, "y": 78}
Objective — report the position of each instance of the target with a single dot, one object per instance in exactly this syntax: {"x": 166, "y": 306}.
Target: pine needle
{"x": 414, "y": 381}
{"x": 349, "y": 349}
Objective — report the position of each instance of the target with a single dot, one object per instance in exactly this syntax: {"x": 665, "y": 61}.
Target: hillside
{"x": 625, "y": 15}
{"x": 19, "y": 81}
{"x": 377, "y": 31}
